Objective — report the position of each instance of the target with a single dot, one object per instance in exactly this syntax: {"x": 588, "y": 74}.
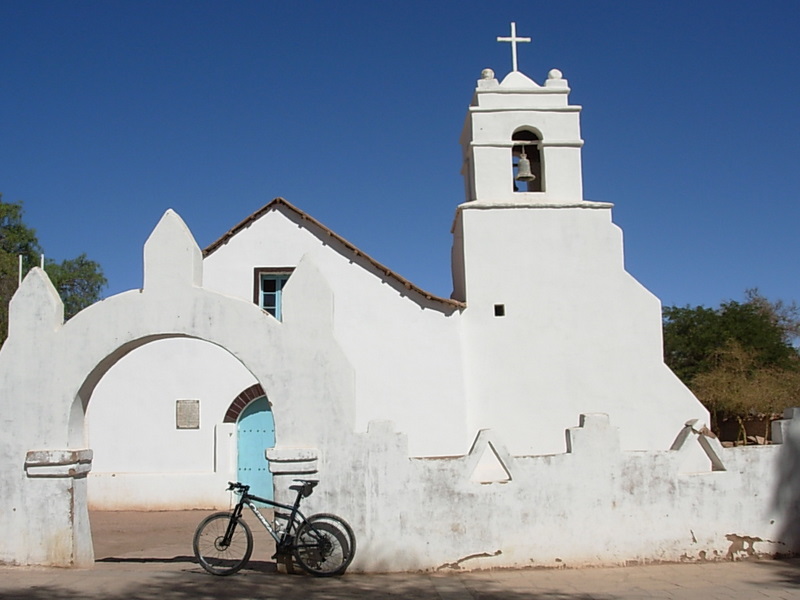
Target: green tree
{"x": 738, "y": 386}
{"x": 740, "y": 359}
{"x": 693, "y": 336}
{"x": 16, "y": 239}
{"x": 79, "y": 281}
{"x": 690, "y": 337}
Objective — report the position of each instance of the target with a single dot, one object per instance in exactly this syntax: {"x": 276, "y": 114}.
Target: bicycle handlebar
{"x": 235, "y": 487}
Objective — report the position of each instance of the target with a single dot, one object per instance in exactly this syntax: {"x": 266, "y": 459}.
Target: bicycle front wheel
{"x": 324, "y": 547}
{"x": 214, "y": 553}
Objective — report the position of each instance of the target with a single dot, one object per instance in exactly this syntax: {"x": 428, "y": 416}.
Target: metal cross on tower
{"x": 514, "y": 40}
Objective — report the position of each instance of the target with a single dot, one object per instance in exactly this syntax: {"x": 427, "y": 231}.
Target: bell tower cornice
{"x": 521, "y": 140}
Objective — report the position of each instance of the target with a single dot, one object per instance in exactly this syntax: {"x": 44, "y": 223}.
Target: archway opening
{"x": 155, "y": 420}
{"x": 526, "y": 148}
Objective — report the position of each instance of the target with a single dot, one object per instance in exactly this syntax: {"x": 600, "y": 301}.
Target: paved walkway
{"x": 147, "y": 556}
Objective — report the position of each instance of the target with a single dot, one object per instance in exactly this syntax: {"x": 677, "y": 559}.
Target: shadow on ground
{"x": 252, "y": 565}
{"x": 179, "y": 578}
{"x": 264, "y": 582}
{"x": 784, "y": 572}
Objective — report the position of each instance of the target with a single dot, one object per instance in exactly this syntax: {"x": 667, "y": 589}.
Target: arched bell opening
{"x": 526, "y": 159}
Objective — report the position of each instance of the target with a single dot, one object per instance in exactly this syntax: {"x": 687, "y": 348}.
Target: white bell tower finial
{"x": 514, "y": 40}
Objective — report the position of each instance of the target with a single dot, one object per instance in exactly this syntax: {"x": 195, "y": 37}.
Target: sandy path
{"x": 160, "y": 534}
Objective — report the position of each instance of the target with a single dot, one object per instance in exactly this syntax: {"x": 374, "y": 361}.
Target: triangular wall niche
{"x": 490, "y": 467}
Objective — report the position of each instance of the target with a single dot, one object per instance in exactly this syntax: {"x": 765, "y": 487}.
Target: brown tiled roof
{"x": 323, "y": 231}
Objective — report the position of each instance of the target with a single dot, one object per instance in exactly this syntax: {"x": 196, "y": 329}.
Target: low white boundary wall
{"x": 593, "y": 505}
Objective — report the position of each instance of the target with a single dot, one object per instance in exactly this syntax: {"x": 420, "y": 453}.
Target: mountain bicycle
{"x": 322, "y": 544}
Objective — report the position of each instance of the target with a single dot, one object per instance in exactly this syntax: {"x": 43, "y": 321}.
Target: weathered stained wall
{"x": 593, "y": 505}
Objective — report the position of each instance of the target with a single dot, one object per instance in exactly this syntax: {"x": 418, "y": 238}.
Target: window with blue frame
{"x": 269, "y": 284}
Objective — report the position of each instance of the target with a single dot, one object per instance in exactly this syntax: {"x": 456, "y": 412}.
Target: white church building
{"x": 529, "y": 419}
{"x": 544, "y": 324}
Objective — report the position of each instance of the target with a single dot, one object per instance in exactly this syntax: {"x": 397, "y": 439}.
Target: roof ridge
{"x": 278, "y": 201}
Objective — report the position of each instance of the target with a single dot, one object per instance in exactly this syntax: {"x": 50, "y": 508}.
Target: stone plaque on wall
{"x": 187, "y": 414}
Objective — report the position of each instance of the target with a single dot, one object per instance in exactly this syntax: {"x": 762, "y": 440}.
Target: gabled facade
{"x": 400, "y": 346}
{"x": 401, "y": 342}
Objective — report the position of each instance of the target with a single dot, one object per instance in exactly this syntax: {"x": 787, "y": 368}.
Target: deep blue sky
{"x": 111, "y": 112}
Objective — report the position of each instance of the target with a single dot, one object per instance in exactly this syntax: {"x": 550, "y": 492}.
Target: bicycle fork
{"x": 232, "y": 523}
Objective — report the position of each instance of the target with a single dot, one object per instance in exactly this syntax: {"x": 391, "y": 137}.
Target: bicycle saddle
{"x": 304, "y": 486}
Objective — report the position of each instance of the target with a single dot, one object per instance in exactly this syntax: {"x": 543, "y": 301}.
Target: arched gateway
{"x": 49, "y": 369}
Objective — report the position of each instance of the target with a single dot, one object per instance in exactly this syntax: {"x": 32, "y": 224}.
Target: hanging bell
{"x": 524, "y": 168}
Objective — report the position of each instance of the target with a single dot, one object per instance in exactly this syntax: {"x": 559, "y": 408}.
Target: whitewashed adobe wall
{"x": 48, "y": 370}
{"x": 594, "y": 505}
{"x": 131, "y": 426}
{"x": 404, "y": 348}
{"x": 578, "y": 335}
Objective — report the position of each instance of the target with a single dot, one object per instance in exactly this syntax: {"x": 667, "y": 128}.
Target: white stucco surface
{"x": 50, "y": 415}
{"x": 131, "y": 425}
{"x": 528, "y": 421}
{"x": 579, "y": 334}
{"x": 405, "y": 350}
{"x": 594, "y": 505}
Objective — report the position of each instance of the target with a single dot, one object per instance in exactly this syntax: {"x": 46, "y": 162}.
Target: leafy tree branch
{"x": 79, "y": 281}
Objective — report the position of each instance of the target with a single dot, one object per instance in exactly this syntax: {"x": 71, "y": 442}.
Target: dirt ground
{"x": 158, "y": 535}
{"x": 148, "y": 556}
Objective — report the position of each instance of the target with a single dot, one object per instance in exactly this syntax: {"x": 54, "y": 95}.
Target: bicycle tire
{"x": 324, "y": 545}
{"x": 218, "y": 559}
{"x": 343, "y": 525}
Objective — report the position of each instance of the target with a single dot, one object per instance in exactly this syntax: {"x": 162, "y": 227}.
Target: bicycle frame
{"x": 294, "y": 518}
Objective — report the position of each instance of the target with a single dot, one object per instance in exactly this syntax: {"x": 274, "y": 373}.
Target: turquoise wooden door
{"x": 255, "y": 433}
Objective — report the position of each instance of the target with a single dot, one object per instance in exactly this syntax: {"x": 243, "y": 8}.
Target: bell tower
{"x": 554, "y": 327}
{"x": 521, "y": 141}
{"x": 521, "y": 146}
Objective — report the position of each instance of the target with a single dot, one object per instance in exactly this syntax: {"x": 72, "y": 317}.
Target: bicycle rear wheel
{"x": 324, "y": 546}
{"x": 211, "y": 551}
{"x": 343, "y": 526}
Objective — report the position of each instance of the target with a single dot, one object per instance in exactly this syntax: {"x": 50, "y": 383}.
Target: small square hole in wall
{"x": 499, "y": 310}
